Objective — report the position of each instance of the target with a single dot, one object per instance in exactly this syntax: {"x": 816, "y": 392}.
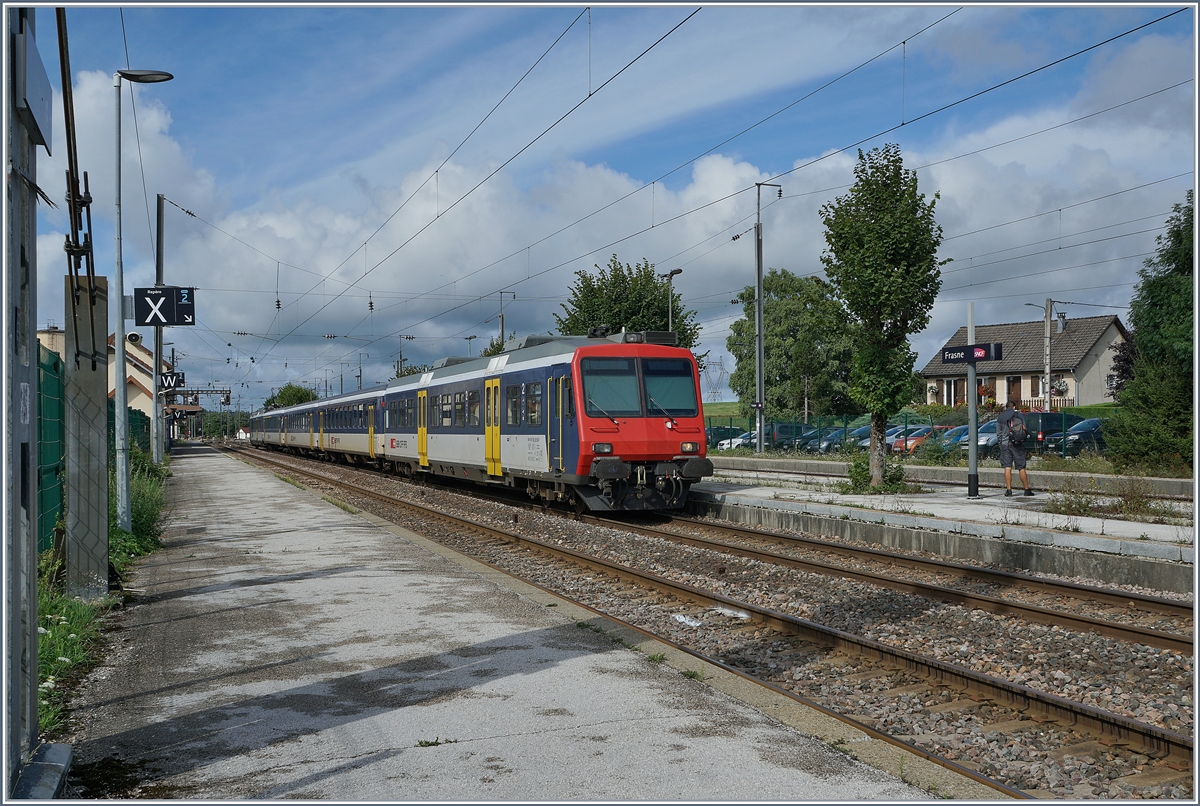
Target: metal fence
{"x": 51, "y": 445}
{"x": 52, "y": 442}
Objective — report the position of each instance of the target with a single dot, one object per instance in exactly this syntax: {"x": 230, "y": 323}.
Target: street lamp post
{"x": 468, "y": 340}
{"x": 670, "y": 295}
{"x": 120, "y": 392}
{"x": 759, "y": 376}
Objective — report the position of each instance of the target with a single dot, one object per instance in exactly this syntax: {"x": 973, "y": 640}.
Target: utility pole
{"x": 972, "y": 414}
{"x": 157, "y": 409}
{"x": 759, "y": 378}
{"x": 1046, "y": 351}
{"x": 514, "y": 296}
{"x": 400, "y": 359}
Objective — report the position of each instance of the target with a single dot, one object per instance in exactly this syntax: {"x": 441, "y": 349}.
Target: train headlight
{"x": 689, "y": 447}
{"x": 601, "y": 447}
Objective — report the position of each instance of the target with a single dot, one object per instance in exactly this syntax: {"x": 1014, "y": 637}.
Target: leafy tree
{"x": 290, "y": 394}
{"x": 1161, "y": 309}
{"x": 805, "y": 335}
{"x": 1154, "y": 423}
{"x": 881, "y": 259}
{"x": 494, "y": 347}
{"x": 414, "y": 369}
{"x": 620, "y": 295}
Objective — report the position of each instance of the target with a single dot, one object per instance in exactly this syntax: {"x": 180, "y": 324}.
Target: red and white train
{"x": 607, "y": 422}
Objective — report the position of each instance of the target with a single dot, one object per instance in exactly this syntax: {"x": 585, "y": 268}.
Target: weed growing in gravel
{"x": 289, "y": 480}
{"x": 340, "y": 505}
{"x": 657, "y": 657}
{"x": 695, "y": 674}
{"x": 435, "y": 742}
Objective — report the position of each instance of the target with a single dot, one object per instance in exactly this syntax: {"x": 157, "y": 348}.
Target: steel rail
{"x": 1071, "y": 589}
{"x": 991, "y": 604}
{"x": 1154, "y": 741}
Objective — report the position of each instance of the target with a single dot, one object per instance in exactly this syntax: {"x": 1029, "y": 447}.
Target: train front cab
{"x": 641, "y": 426}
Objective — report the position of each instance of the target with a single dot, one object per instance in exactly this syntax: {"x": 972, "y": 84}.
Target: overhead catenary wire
{"x": 593, "y": 251}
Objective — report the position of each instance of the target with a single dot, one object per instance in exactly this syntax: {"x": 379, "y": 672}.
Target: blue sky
{"x": 295, "y": 134}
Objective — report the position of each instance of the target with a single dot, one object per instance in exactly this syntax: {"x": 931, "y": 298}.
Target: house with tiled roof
{"x": 1080, "y": 363}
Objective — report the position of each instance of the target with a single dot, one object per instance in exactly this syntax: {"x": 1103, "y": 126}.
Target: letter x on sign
{"x": 156, "y": 310}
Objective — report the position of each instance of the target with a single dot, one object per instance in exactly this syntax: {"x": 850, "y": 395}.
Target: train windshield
{"x": 670, "y": 387}
{"x": 628, "y": 387}
{"x": 610, "y": 387}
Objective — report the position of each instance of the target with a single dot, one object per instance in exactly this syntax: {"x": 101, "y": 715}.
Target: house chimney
{"x": 1062, "y": 321}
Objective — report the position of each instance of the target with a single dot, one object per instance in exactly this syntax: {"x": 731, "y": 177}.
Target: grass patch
{"x": 695, "y": 674}
{"x": 1132, "y": 502}
{"x": 340, "y": 505}
{"x": 69, "y": 630}
{"x": 657, "y": 657}
{"x": 435, "y": 742}
{"x": 290, "y": 481}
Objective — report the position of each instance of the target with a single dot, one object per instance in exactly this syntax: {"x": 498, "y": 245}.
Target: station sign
{"x": 179, "y": 414}
{"x": 971, "y": 353}
{"x": 170, "y": 381}
{"x": 164, "y": 306}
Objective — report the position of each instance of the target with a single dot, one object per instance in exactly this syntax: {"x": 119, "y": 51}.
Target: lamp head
{"x": 145, "y": 76}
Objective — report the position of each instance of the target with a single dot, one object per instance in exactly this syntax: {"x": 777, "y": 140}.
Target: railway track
{"x": 957, "y": 688}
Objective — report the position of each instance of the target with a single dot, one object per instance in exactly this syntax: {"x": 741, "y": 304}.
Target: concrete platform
{"x": 993, "y": 528}
{"x": 280, "y": 647}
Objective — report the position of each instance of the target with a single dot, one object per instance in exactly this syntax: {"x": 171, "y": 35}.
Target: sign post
{"x": 969, "y": 354}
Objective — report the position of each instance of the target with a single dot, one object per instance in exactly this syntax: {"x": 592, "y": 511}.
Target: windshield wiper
{"x": 664, "y": 411}
{"x": 602, "y": 411}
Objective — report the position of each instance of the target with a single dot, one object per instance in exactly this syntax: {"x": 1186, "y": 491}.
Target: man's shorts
{"x": 1012, "y": 456}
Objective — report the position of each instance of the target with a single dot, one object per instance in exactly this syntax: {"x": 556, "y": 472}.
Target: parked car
{"x": 1039, "y": 425}
{"x": 908, "y": 443}
{"x": 716, "y": 433}
{"x": 796, "y": 443}
{"x": 828, "y": 440}
{"x": 1086, "y": 435}
{"x": 743, "y": 440}
{"x": 778, "y": 433}
{"x": 889, "y": 436}
{"x": 988, "y": 445}
{"x": 951, "y": 436}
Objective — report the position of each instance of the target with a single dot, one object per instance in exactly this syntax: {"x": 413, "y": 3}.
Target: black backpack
{"x": 1016, "y": 430}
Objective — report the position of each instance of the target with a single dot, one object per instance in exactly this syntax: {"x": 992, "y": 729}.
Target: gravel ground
{"x": 1144, "y": 683}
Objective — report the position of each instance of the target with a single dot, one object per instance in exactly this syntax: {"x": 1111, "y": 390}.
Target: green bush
{"x": 1153, "y": 426}
{"x": 859, "y": 472}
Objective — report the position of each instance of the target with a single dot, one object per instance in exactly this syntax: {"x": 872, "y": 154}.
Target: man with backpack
{"x": 1011, "y": 433}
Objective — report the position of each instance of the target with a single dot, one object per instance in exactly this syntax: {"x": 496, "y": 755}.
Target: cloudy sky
{"x": 426, "y": 159}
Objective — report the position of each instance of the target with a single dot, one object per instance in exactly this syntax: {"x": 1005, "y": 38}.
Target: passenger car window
{"x": 512, "y": 405}
{"x": 460, "y": 409}
{"x": 473, "y": 407}
{"x": 433, "y": 411}
{"x": 447, "y": 411}
{"x": 533, "y": 403}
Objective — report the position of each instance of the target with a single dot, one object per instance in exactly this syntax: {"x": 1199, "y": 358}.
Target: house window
{"x": 1110, "y": 381}
{"x": 1035, "y": 386}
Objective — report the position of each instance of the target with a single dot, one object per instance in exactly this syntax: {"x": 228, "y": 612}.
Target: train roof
{"x": 534, "y": 350}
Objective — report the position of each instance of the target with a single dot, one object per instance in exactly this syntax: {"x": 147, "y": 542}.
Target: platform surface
{"x": 280, "y": 647}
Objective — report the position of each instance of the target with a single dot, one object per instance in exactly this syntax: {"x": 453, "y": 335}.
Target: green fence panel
{"x": 51, "y": 446}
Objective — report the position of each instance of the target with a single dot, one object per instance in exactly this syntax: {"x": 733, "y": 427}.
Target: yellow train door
{"x": 491, "y": 425}
{"x": 371, "y": 431}
{"x": 423, "y": 428}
